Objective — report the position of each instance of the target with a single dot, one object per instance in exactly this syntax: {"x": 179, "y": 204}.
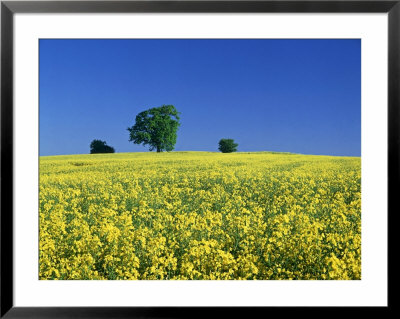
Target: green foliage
{"x": 156, "y": 127}
{"x": 98, "y": 146}
{"x": 227, "y": 145}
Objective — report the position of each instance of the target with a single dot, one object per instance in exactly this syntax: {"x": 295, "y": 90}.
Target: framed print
{"x": 165, "y": 157}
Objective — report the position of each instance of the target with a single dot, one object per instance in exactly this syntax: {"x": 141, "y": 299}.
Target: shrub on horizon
{"x": 98, "y": 146}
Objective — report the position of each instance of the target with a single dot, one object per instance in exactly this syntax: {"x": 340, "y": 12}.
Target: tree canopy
{"x": 227, "y": 145}
{"x": 98, "y": 146}
{"x": 156, "y": 127}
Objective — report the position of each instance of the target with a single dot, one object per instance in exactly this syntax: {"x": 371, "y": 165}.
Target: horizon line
{"x": 187, "y": 151}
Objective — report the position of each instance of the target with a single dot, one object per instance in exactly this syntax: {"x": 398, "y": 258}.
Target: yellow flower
{"x": 199, "y": 215}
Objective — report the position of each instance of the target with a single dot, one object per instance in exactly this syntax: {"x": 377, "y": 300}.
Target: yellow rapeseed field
{"x": 200, "y": 215}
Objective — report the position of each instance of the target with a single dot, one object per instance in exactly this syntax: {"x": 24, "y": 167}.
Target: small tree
{"x": 98, "y": 146}
{"x": 156, "y": 127}
{"x": 227, "y": 145}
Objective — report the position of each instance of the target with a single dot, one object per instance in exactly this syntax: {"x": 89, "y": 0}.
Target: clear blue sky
{"x": 301, "y": 96}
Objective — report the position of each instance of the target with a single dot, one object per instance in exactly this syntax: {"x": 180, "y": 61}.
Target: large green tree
{"x": 227, "y": 145}
{"x": 156, "y": 127}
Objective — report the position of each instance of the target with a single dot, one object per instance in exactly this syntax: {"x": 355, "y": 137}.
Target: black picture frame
{"x": 9, "y": 8}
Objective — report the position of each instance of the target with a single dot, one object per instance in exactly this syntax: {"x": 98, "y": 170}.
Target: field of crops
{"x": 199, "y": 215}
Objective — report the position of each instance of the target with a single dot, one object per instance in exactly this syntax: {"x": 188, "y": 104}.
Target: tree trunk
{"x": 158, "y": 149}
